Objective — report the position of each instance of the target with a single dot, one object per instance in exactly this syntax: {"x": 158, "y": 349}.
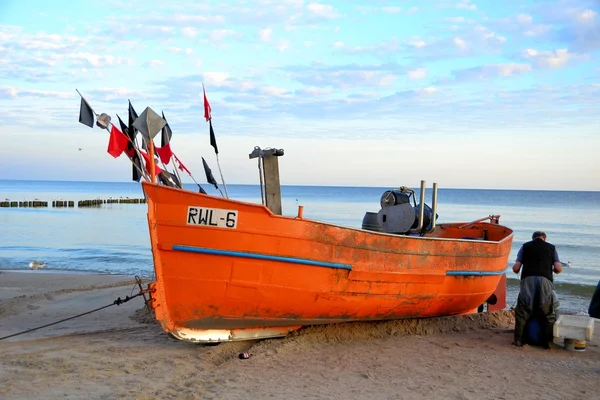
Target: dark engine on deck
{"x": 398, "y": 216}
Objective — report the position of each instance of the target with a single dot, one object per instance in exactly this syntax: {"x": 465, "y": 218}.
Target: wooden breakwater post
{"x": 34, "y": 204}
{"x": 69, "y": 203}
{"x": 132, "y": 201}
{"x": 90, "y": 203}
{"x": 63, "y": 203}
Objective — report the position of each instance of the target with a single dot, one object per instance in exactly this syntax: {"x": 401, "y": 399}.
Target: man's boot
{"x": 520, "y": 322}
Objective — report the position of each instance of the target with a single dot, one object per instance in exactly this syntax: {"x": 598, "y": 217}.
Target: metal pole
{"x": 433, "y": 205}
{"x": 422, "y": 207}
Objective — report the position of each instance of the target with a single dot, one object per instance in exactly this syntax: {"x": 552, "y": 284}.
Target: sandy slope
{"x": 121, "y": 353}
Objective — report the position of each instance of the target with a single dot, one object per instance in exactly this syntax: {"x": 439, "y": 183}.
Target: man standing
{"x": 539, "y": 260}
{"x": 594, "y": 308}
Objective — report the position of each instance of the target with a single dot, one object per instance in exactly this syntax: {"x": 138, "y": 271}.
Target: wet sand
{"x": 121, "y": 353}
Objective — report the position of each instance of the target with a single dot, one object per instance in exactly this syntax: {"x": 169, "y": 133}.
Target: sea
{"x": 114, "y": 239}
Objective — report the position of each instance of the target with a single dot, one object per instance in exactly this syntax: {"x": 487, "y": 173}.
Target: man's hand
{"x": 517, "y": 267}
{"x": 557, "y": 267}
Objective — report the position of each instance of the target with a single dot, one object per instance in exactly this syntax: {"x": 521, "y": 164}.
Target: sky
{"x": 468, "y": 94}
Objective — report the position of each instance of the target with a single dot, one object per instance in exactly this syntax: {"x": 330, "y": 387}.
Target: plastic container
{"x": 579, "y": 345}
{"x": 575, "y": 327}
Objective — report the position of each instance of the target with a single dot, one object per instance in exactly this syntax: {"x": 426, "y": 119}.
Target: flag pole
{"x": 176, "y": 171}
{"x": 152, "y": 162}
{"x": 222, "y": 180}
{"x": 208, "y": 117}
{"x": 96, "y": 114}
{"x": 187, "y": 170}
{"x": 137, "y": 151}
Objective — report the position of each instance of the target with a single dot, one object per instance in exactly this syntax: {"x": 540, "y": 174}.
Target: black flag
{"x": 136, "y": 175}
{"x": 132, "y": 117}
{"x": 213, "y": 141}
{"x": 126, "y": 130}
{"x": 86, "y": 115}
{"x": 209, "y": 176}
{"x": 129, "y": 131}
{"x": 164, "y": 151}
{"x": 167, "y": 133}
{"x": 177, "y": 181}
{"x": 169, "y": 179}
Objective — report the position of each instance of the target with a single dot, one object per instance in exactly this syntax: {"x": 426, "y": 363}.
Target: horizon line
{"x": 309, "y": 185}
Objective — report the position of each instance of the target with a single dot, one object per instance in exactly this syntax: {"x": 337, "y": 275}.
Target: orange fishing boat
{"x": 231, "y": 270}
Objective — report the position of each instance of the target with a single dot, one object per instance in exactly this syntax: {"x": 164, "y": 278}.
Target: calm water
{"x": 114, "y": 238}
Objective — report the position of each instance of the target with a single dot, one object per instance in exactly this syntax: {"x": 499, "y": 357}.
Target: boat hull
{"x": 230, "y": 270}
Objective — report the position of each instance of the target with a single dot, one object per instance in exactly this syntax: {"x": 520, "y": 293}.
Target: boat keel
{"x": 230, "y": 335}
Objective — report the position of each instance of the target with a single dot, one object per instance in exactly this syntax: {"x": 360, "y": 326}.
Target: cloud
{"x": 14, "y": 93}
{"x": 322, "y": 10}
{"x": 178, "y": 50}
{"x": 96, "y": 60}
{"x": 374, "y": 9}
{"x": 466, "y": 5}
{"x": 469, "y": 39}
{"x": 189, "y": 32}
{"x": 418, "y": 73}
{"x": 382, "y": 48}
{"x": 460, "y": 43}
{"x": 487, "y": 72}
{"x": 574, "y": 24}
{"x": 265, "y": 34}
{"x": 346, "y": 76}
{"x": 45, "y": 57}
{"x": 119, "y": 95}
{"x": 312, "y": 91}
{"x": 391, "y": 10}
{"x": 219, "y": 35}
{"x": 275, "y": 91}
{"x": 154, "y": 63}
{"x": 418, "y": 43}
{"x": 554, "y": 59}
{"x": 582, "y": 31}
{"x": 283, "y": 46}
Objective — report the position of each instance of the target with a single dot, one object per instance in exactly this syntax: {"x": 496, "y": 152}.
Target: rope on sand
{"x": 117, "y": 302}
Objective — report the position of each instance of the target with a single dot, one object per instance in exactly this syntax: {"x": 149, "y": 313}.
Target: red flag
{"x": 207, "y": 109}
{"x": 157, "y": 169}
{"x": 131, "y": 152}
{"x": 164, "y": 153}
{"x": 181, "y": 166}
{"x": 117, "y": 143}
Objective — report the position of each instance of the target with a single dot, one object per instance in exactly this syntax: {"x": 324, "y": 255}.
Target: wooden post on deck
{"x": 270, "y": 173}
{"x": 272, "y": 187}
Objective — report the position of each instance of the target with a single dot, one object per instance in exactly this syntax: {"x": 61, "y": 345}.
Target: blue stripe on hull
{"x": 474, "y": 273}
{"x": 257, "y": 256}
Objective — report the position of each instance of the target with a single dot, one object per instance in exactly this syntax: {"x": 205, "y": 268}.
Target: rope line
{"x": 117, "y": 302}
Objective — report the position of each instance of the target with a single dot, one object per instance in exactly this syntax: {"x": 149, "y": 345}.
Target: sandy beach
{"x": 121, "y": 353}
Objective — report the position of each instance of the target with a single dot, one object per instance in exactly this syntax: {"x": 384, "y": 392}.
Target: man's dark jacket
{"x": 537, "y": 259}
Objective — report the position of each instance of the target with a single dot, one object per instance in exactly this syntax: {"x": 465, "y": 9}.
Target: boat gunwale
{"x": 331, "y": 224}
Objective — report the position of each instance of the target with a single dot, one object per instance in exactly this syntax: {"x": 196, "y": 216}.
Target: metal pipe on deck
{"x": 433, "y": 206}
{"x": 421, "y": 207}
